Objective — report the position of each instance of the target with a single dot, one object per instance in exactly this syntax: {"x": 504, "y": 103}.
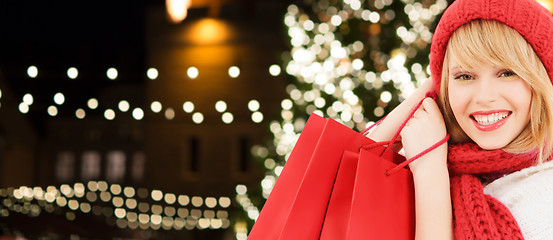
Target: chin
{"x": 491, "y": 146}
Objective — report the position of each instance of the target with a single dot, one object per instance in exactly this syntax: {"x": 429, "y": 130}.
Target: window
{"x": 191, "y": 163}
{"x": 90, "y": 168}
{"x": 115, "y": 171}
{"x": 138, "y": 165}
{"x": 244, "y": 154}
{"x": 194, "y": 154}
{"x": 65, "y": 166}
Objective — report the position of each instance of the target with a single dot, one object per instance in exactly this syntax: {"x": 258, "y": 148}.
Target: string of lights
{"x": 139, "y": 112}
{"x": 240, "y": 227}
{"x": 152, "y": 73}
{"x": 124, "y": 207}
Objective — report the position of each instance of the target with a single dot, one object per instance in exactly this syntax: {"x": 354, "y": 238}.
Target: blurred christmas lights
{"x": 138, "y": 112}
{"x": 118, "y": 203}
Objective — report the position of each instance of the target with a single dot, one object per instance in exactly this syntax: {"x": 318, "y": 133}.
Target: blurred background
{"x": 153, "y": 119}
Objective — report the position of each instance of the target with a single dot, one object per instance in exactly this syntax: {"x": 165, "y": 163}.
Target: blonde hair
{"x": 499, "y": 45}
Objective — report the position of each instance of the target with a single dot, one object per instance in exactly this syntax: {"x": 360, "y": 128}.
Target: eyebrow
{"x": 456, "y": 68}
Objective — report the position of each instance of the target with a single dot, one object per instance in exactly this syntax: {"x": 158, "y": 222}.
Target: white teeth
{"x": 491, "y": 118}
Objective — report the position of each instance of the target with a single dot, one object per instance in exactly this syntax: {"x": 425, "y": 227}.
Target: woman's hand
{"x": 430, "y": 174}
{"x": 423, "y": 130}
{"x": 390, "y": 125}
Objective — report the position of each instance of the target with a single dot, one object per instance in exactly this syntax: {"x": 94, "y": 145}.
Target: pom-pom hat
{"x": 527, "y": 17}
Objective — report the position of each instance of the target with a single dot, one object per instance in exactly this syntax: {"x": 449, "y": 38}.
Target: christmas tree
{"x": 350, "y": 60}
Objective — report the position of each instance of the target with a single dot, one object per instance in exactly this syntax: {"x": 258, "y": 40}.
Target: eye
{"x": 507, "y": 73}
{"x": 463, "y": 77}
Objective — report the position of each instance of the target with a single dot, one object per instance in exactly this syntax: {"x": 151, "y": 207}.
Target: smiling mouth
{"x": 488, "y": 121}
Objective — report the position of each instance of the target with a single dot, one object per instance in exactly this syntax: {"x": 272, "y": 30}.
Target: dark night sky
{"x": 80, "y": 33}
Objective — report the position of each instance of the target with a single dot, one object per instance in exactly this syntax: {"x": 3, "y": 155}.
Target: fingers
{"x": 428, "y": 106}
{"x": 423, "y": 107}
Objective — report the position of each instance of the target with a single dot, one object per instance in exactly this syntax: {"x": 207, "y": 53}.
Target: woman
{"x": 492, "y": 64}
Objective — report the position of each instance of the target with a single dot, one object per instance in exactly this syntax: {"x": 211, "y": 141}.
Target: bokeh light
{"x": 156, "y": 106}
{"x": 124, "y": 106}
{"x": 253, "y": 105}
{"x": 197, "y": 117}
{"x": 59, "y": 98}
{"x": 32, "y": 71}
{"x": 72, "y": 72}
{"x": 274, "y": 70}
{"x": 92, "y": 103}
{"x": 112, "y": 73}
{"x": 138, "y": 113}
{"x": 188, "y": 106}
{"x": 234, "y": 71}
{"x": 192, "y": 72}
{"x": 152, "y": 73}
{"x": 109, "y": 114}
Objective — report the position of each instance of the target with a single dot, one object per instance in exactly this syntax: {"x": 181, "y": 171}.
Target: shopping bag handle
{"x": 430, "y": 94}
{"x": 410, "y": 160}
{"x": 395, "y": 139}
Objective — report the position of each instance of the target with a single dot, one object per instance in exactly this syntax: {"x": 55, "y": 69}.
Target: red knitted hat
{"x": 527, "y": 17}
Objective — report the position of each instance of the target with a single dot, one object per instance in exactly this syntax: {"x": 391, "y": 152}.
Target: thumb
{"x": 430, "y": 106}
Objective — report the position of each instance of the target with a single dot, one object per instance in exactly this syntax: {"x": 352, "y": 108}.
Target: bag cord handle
{"x": 395, "y": 139}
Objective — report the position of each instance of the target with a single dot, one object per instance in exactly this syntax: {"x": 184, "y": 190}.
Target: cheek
{"x": 521, "y": 95}
{"x": 525, "y": 102}
{"x": 457, "y": 100}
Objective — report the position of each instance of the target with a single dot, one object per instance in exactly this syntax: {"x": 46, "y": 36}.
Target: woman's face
{"x": 490, "y": 103}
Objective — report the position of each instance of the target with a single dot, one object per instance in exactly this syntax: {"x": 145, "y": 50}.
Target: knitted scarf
{"x": 476, "y": 215}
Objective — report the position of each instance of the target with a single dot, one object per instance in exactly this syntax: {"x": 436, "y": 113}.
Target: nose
{"x": 486, "y": 91}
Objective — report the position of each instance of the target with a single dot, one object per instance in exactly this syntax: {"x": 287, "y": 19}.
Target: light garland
{"x": 125, "y": 207}
{"x": 138, "y": 112}
{"x": 152, "y": 73}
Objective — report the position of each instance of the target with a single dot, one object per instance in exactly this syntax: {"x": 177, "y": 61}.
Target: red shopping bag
{"x": 368, "y": 203}
{"x": 374, "y": 199}
{"x": 383, "y": 205}
{"x": 339, "y": 184}
{"x": 297, "y": 204}
{"x": 339, "y": 207}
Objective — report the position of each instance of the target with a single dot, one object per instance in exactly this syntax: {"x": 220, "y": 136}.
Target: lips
{"x": 490, "y": 120}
